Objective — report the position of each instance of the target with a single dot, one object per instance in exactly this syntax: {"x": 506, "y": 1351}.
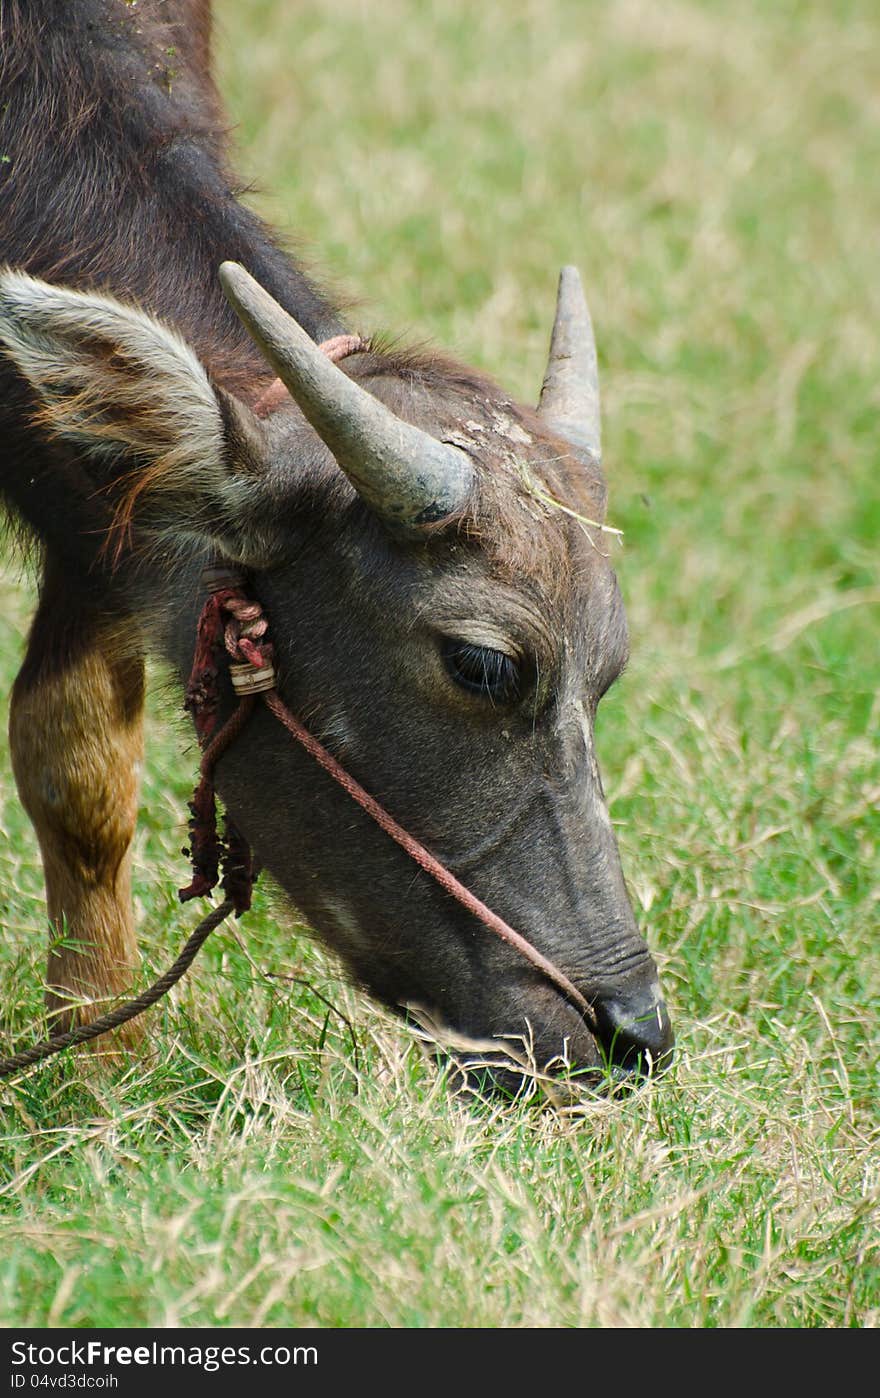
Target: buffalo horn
{"x": 404, "y": 474}
{"x": 570, "y": 395}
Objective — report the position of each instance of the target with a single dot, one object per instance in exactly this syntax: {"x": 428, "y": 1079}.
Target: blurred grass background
{"x": 712, "y": 168}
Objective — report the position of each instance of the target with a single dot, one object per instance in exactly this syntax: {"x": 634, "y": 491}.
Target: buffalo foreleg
{"x": 76, "y": 738}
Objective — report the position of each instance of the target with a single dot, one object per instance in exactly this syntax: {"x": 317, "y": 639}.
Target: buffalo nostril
{"x": 634, "y": 1030}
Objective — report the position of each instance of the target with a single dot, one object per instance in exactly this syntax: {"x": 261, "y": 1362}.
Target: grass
{"x": 712, "y": 169}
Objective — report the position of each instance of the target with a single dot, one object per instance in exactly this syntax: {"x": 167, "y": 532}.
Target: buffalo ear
{"x": 179, "y": 461}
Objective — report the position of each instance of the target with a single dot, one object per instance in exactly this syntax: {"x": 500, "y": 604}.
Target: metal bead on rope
{"x": 247, "y": 680}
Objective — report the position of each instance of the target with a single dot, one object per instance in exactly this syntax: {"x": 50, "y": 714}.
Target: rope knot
{"x": 252, "y": 670}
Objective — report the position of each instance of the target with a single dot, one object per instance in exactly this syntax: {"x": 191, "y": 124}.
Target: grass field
{"x": 713, "y": 169}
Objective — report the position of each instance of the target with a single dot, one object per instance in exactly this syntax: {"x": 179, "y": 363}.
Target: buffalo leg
{"x": 77, "y": 743}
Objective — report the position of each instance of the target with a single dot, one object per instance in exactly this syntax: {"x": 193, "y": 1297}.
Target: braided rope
{"x": 57, "y": 1043}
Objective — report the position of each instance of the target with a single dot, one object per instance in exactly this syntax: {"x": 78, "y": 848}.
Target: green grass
{"x": 712, "y": 168}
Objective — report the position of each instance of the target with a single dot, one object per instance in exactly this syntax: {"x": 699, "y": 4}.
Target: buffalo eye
{"x": 490, "y": 673}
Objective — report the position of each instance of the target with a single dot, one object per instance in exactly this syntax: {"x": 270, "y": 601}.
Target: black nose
{"x": 633, "y": 1029}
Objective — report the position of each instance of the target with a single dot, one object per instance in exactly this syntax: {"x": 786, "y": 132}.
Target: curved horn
{"x": 570, "y": 395}
{"x": 403, "y": 473}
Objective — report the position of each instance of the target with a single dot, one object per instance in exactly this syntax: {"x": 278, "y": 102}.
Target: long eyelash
{"x": 483, "y": 670}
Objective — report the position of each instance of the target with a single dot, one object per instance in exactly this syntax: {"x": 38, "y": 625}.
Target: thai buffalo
{"x": 430, "y": 555}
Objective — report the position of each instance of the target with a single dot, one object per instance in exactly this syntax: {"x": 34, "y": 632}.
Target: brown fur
{"x": 77, "y": 745}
